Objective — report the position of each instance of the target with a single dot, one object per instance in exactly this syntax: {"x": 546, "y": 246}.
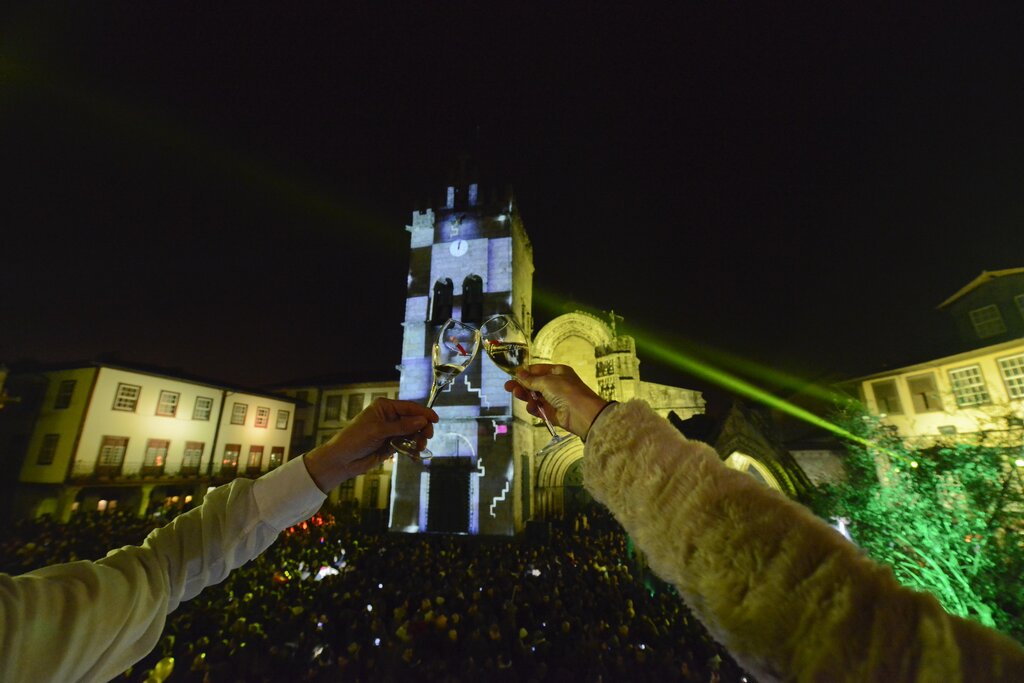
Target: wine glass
{"x": 456, "y": 347}
{"x": 508, "y": 346}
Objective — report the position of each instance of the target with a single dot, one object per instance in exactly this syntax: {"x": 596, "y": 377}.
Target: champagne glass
{"x": 508, "y": 346}
{"x": 455, "y": 348}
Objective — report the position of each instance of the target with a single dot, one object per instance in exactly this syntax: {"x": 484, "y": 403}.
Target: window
{"x": 473, "y": 193}
{"x": 203, "y": 408}
{"x": 238, "y": 412}
{"x": 441, "y": 306}
{"x": 300, "y": 427}
{"x": 302, "y": 396}
{"x": 276, "y": 456}
{"x": 374, "y": 494}
{"x": 255, "y": 460}
{"x": 229, "y": 465}
{"x": 1019, "y": 299}
{"x": 887, "y": 397}
{"x": 111, "y": 455}
{"x": 262, "y": 416}
{"x": 64, "y": 393}
{"x": 156, "y": 457}
{"x": 282, "y": 419}
{"x": 924, "y": 393}
{"x": 193, "y": 457}
{"x": 473, "y": 300}
{"x": 168, "y": 403}
{"x": 355, "y": 404}
{"x": 127, "y": 397}
{"x": 450, "y": 198}
{"x": 333, "y": 408}
{"x": 987, "y": 321}
{"x": 1013, "y": 374}
{"x": 347, "y": 490}
{"x": 48, "y": 449}
{"x": 968, "y": 386}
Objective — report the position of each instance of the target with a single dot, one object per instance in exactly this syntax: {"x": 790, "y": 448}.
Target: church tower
{"x": 469, "y": 259}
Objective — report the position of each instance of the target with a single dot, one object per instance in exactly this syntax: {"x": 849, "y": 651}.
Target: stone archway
{"x": 744, "y": 463}
{"x": 570, "y": 339}
{"x": 558, "y": 470}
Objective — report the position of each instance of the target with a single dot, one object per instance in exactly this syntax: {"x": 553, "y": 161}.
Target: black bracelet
{"x": 603, "y": 408}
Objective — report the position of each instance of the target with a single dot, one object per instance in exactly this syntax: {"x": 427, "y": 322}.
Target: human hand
{"x": 566, "y": 400}
{"x": 363, "y": 444}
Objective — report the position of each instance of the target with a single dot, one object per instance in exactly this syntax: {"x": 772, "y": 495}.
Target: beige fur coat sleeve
{"x": 786, "y": 594}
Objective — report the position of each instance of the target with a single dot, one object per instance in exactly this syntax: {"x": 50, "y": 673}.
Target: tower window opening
{"x": 441, "y": 306}
{"x": 473, "y": 299}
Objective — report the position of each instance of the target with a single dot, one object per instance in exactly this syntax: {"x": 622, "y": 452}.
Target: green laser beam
{"x": 654, "y": 347}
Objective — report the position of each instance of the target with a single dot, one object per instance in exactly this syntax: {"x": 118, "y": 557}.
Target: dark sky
{"x": 224, "y": 188}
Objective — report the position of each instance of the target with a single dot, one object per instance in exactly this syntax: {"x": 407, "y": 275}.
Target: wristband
{"x": 594, "y": 421}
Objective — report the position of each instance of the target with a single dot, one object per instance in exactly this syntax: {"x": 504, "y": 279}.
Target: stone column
{"x": 146, "y": 490}
{"x": 65, "y": 499}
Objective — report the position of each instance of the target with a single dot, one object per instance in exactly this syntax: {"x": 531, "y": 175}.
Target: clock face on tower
{"x": 458, "y": 247}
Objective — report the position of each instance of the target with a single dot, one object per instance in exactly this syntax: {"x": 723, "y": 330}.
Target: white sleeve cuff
{"x": 287, "y": 495}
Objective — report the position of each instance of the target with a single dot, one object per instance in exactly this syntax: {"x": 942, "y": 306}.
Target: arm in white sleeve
{"x": 785, "y": 593}
{"x": 89, "y": 621}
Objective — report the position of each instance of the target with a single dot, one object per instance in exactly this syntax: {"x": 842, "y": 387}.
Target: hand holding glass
{"x": 508, "y": 346}
{"x": 455, "y": 348}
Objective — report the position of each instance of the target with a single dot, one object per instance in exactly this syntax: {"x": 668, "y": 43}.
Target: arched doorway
{"x": 744, "y": 463}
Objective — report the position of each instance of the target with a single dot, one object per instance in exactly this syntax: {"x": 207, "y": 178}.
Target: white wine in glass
{"x": 456, "y": 347}
{"x": 508, "y": 346}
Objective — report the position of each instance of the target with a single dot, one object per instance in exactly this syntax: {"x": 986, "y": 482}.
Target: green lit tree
{"x": 946, "y": 517}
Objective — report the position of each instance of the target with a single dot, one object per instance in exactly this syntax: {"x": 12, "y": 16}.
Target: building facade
{"x": 102, "y": 436}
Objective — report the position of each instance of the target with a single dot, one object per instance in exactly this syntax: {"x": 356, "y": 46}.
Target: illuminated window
{"x": 347, "y": 490}
{"x": 156, "y": 457}
{"x": 229, "y": 465}
{"x": 255, "y": 460}
{"x": 441, "y": 305}
{"x": 276, "y": 456}
{"x": 111, "y": 455}
{"x": 168, "y": 403}
{"x": 1013, "y": 374}
{"x": 473, "y": 192}
{"x": 924, "y": 393}
{"x": 193, "y": 457}
{"x": 968, "y": 386}
{"x": 262, "y": 416}
{"x": 64, "y": 393}
{"x": 355, "y": 405}
{"x": 282, "y": 419}
{"x": 127, "y": 397}
{"x": 450, "y": 199}
{"x": 473, "y": 300}
{"x": 378, "y": 394}
{"x": 332, "y": 407}
{"x": 203, "y": 408}
{"x": 48, "y": 450}
{"x": 887, "y": 397}
{"x": 238, "y": 412}
{"x": 987, "y": 321}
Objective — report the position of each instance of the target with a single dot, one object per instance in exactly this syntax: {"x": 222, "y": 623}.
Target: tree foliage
{"x": 946, "y": 517}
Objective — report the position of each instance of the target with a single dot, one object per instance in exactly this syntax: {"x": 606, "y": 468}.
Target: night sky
{"x": 225, "y": 189}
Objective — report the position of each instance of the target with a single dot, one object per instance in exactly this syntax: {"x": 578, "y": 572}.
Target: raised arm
{"x": 90, "y": 621}
{"x": 783, "y": 591}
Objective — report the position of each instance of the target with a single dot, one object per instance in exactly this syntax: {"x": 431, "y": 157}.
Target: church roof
{"x": 986, "y": 276}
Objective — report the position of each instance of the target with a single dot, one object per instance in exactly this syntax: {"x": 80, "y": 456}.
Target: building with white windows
{"x": 978, "y": 389}
{"x": 99, "y": 436}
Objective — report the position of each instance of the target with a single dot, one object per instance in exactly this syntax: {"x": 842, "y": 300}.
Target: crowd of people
{"x": 329, "y": 601}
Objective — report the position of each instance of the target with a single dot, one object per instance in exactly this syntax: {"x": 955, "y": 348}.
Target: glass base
{"x": 408, "y": 448}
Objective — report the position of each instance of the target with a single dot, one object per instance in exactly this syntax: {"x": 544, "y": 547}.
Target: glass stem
{"x": 434, "y": 390}
{"x": 547, "y": 423}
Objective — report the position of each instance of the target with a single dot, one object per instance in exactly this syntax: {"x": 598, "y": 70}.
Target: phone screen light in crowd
{"x": 369, "y": 608}
{"x": 376, "y": 641}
